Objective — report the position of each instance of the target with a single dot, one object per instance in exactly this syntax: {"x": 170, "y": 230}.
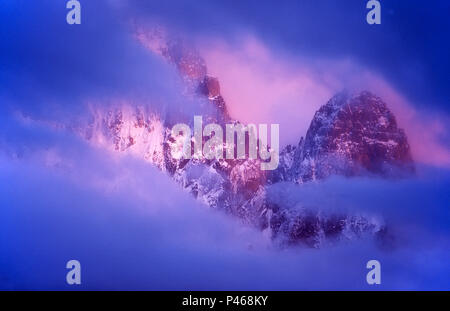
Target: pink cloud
{"x": 261, "y": 85}
{"x": 423, "y": 128}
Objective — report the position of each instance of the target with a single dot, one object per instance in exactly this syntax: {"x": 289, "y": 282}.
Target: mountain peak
{"x": 354, "y": 135}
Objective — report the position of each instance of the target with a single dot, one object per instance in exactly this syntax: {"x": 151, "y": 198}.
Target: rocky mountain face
{"x": 351, "y": 135}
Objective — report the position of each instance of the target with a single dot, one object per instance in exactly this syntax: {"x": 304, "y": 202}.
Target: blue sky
{"x": 47, "y": 63}
{"x": 410, "y": 47}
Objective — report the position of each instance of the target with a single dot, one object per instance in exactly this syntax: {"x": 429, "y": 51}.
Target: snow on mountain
{"x": 350, "y": 136}
{"x": 129, "y": 129}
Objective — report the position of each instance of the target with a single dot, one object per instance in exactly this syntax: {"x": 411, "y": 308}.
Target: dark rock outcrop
{"x": 349, "y": 136}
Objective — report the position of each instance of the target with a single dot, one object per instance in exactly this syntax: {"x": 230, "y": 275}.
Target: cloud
{"x": 426, "y": 128}
{"x": 262, "y": 84}
{"x": 261, "y": 87}
{"x": 63, "y": 199}
{"x": 407, "y": 48}
{"x": 55, "y": 71}
{"x": 48, "y": 69}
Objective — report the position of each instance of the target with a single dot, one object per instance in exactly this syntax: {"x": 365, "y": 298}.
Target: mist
{"x": 64, "y": 199}
{"x": 130, "y": 225}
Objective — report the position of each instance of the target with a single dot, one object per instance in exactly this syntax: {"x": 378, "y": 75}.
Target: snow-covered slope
{"x": 350, "y": 135}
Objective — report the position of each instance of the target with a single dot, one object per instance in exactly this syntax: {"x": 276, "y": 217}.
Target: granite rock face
{"x": 351, "y": 135}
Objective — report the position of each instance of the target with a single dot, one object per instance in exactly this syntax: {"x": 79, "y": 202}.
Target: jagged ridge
{"x": 350, "y": 136}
